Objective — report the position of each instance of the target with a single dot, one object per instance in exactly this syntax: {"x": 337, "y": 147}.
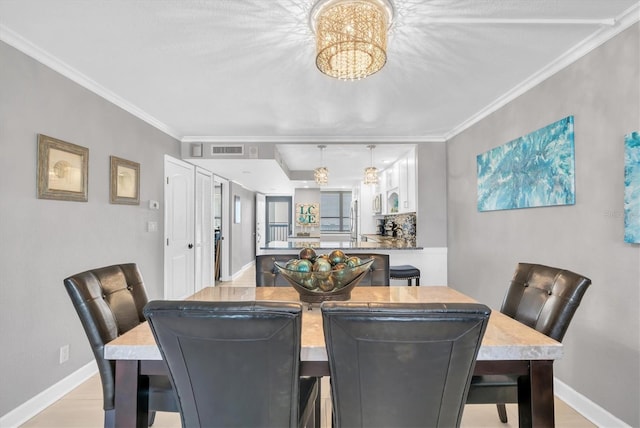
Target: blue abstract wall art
{"x": 632, "y": 188}
{"x": 535, "y": 170}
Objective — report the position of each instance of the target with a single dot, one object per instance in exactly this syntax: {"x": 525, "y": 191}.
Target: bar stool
{"x": 407, "y": 272}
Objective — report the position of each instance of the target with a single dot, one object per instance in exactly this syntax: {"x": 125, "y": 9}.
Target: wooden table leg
{"x": 535, "y": 396}
{"x": 131, "y": 395}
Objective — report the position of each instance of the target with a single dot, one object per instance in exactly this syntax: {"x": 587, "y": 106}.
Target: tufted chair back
{"x": 109, "y": 302}
{"x": 544, "y": 298}
{"x": 267, "y": 274}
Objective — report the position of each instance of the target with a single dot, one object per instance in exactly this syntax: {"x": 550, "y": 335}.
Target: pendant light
{"x": 321, "y": 174}
{"x": 371, "y": 172}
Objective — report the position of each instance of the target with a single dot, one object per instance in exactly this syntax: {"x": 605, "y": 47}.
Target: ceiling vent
{"x": 235, "y": 150}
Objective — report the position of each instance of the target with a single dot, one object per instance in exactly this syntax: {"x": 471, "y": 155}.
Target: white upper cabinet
{"x": 392, "y": 177}
{"x": 400, "y": 191}
{"x": 408, "y": 193}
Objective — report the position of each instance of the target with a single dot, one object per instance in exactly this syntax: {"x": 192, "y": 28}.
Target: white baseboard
{"x": 242, "y": 270}
{"x": 38, "y": 403}
{"x": 587, "y": 408}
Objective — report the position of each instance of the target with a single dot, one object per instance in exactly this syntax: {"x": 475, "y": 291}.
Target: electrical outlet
{"x": 64, "y": 354}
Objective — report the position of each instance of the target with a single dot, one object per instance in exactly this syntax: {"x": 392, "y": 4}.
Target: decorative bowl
{"x": 315, "y": 287}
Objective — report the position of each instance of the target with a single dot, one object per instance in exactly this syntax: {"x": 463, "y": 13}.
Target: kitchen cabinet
{"x": 392, "y": 177}
{"x": 407, "y": 183}
{"x": 400, "y": 191}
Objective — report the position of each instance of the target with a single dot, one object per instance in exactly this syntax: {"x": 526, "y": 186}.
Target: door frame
{"x": 270, "y": 199}
{"x": 203, "y": 229}
{"x": 225, "y": 270}
{"x": 261, "y": 218}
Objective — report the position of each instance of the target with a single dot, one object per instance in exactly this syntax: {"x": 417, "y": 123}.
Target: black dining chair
{"x": 109, "y": 302}
{"x": 235, "y": 364}
{"x": 544, "y": 298}
{"x": 401, "y": 365}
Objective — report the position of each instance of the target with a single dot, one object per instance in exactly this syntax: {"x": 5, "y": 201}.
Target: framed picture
{"x": 63, "y": 170}
{"x": 125, "y": 182}
{"x": 308, "y": 214}
{"x": 632, "y": 188}
{"x": 535, "y": 170}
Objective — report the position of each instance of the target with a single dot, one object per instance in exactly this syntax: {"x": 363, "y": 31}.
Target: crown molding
{"x": 520, "y": 21}
{"x": 23, "y": 45}
{"x": 284, "y": 139}
{"x": 609, "y": 29}
{"x": 621, "y": 23}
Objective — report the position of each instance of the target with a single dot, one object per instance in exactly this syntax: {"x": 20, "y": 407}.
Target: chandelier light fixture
{"x": 351, "y": 36}
{"x": 321, "y": 174}
{"x": 371, "y": 172}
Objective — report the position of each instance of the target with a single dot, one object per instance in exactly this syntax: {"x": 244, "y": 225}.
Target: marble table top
{"x": 505, "y": 338}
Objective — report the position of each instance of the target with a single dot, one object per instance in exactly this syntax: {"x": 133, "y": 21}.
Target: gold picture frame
{"x": 63, "y": 170}
{"x": 124, "y": 182}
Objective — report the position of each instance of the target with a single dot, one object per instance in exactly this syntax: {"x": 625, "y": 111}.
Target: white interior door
{"x": 179, "y": 229}
{"x": 203, "y": 229}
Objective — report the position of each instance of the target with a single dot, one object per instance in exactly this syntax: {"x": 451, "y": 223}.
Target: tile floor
{"x": 82, "y": 407}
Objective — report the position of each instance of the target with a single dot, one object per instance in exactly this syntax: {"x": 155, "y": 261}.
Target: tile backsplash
{"x": 407, "y": 222}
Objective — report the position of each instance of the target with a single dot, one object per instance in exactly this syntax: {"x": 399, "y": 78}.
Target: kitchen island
{"x": 432, "y": 262}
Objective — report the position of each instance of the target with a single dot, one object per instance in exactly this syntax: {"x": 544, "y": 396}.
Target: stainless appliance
{"x": 353, "y": 220}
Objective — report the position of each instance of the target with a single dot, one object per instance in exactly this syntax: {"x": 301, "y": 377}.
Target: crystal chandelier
{"x": 371, "y": 172}
{"x": 351, "y": 36}
{"x": 321, "y": 174}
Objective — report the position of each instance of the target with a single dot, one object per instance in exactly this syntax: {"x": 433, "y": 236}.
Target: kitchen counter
{"x": 388, "y": 241}
{"x": 432, "y": 262}
{"x": 388, "y": 244}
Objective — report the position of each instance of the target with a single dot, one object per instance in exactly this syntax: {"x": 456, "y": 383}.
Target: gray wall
{"x": 602, "y": 91}
{"x": 431, "y": 221}
{"x": 243, "y": 239}
{"x": 44, "y": 241}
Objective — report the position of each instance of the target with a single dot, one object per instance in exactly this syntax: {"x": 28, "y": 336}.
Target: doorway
{"x": 217, "y": 226}
{"x": 221, "y": 228}
{"x": 278, "y": 218}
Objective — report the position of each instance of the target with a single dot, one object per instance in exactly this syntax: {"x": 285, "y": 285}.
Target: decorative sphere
{"x": 353, "y": 261}
{"x": 307, "y": 254}
{"x": 337, "y": 256}
{"x": 292, "y": 264}
{"x": 322, "y": 268}
{"x": 304, "y": 266}
{"x": 325, "y": 284}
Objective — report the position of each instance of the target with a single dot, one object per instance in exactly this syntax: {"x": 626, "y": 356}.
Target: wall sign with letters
{"x": 308, "y": 214}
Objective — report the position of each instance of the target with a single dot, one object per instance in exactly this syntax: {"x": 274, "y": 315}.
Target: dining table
{"x": 508, "y": 347}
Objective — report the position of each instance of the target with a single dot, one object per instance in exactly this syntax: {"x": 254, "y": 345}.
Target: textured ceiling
{"x": 243, "y": 70}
